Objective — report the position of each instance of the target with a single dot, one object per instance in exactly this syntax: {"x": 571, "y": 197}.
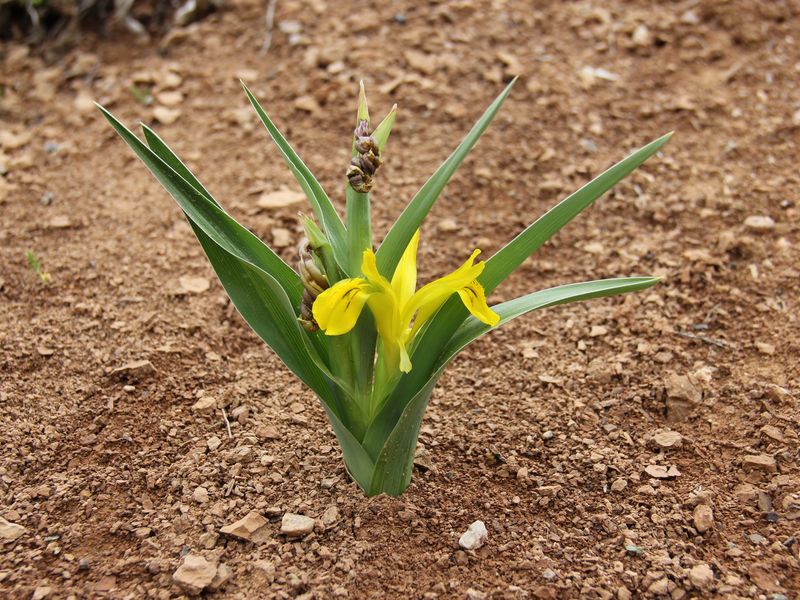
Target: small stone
{"x": 757, "y": 539}
{"x": 194, "y": 285}
{"x": 474, "y": 537}
{"x": 59, "y": 222}
{"x": 213, "y": 442}
{"x": 447, "y": 225}
{"x": 759, "y": 223}
{"x": 619, "y": 484}
{"x": 281, "y": 237}
{"x": 208, "y": 540}
{"x": 682, "y": 397}
{"x": 134, "y": 370}
{"x": 241, "y": 414}
{"x": 280, "y": 198}
{"x": 293, "y": 525}
{"x": 205, "y": 404}
{"x": 41, "y": 592}
{"x": 165, "y": 115}
{"x": 307, "y": 104}
{"x": 759, "y": 462}
{"x": 268, "y": 432}
{"x": 473, "y": 594}
{"x": 195, "y": 573}
{"x": 746, "y": 493}
{"x": 666, "y": 439}
{"x": 84, "y": 103}
{"x": 773, "y": 433}
{"x": 200, "y": 495}
{"x": 330, "y": 516}
{"x": 662, "y": 472}
{"x": 660, "y": 587}
{"x": 703, "y": 518}
{"x": 623, "y": 593}
{"x": 598, "y": 331}
{"x": 641, "y": 35}
{"x": 170, "y": 99}
{"x": 765, "y": 348}
{"x": 701, "y": 576}
{"x": 252, "y": 528}
{"x": 224, "y": 573}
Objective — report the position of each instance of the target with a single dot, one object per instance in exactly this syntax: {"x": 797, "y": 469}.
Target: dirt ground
{"x": 555, "y": 431}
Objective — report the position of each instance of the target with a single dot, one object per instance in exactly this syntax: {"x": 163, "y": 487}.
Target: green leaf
{"x": 472, "y": 329}
{"x": 505, "y": 262}
{"x": 214, "y": 221}
{"x": 440, "y": 329}
{"x": 358, "y": 463}
{"x": 239, "y": 259}
{"x": 412, "y": 216}
{"x": 323, "y": 208}
{"x": 384, "y": 128}
{"x": 399, "y": 412}
{"x": 395, "y": 463}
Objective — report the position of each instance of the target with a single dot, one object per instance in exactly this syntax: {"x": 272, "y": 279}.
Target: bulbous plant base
{"x": 384, "y": 466}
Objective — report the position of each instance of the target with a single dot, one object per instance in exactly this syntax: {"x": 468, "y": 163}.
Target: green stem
{"x": 359, "y": 228}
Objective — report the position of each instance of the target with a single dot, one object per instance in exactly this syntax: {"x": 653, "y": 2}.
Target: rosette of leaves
{"x": 349, "y": 322}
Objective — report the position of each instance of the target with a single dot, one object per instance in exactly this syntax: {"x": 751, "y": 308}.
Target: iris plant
{"x": 350, "y": 321}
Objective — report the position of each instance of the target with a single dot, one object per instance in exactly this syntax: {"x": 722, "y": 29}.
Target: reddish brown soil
{"x": 542, "y": 430}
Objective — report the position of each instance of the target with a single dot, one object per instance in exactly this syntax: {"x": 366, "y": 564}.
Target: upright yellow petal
{"x": 430, "y": 297}
{"x": 404, "y": 280}
{"x": 336, "y": 310}
{"x": 474, "y": 299}
{"x": 369, "y": 266}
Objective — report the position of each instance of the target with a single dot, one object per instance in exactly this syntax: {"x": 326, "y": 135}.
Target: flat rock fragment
{"x": 195, "y": 573}
{"x": 252, "y": 528}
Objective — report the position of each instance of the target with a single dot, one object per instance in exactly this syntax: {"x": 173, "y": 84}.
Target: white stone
{"x": 759, "y": 223}
{"x": 474, "y": 537}
{"x": 293, "y": 525}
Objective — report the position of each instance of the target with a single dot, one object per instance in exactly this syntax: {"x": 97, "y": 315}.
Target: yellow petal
{"x": 336, "y": 310}
{"x": 369, "y": 267}
{"x": 474, "y": 299}
{"x": 404, "y": 280}
{"x": 430, "y": 297}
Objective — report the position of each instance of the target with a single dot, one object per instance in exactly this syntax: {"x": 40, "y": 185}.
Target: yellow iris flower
{"x": 399, "y": 310}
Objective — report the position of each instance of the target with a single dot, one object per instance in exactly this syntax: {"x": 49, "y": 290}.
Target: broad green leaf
{"x": 228, "y": 280}
{"x": 280, "y": 270}
{"x": 214, "y": 221}
{"x": 395, "y": 463}
{"x": 356, "y": 459}
{"x": 505, "y": 261}
{"x": 323, "y": 208}
{"x": 397, "y": 416}
{"x": 412, "y": 216}
{"x": 233, "y": 252}
{"x": 440, "y": 329}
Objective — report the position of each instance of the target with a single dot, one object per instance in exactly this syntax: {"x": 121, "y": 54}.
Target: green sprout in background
{"x": 35, "y": 264}
{"x": 350, "y": 322}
